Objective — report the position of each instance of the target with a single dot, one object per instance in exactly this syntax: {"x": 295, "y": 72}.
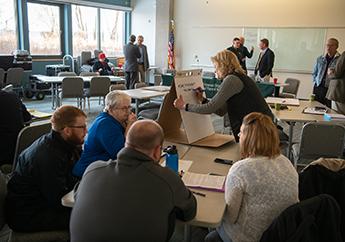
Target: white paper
{"x": 314, "y": 111}
{"x": 197, "y": 126}
{"x": 284, "y": 101}
{"x": 203, "y": 181}
{"x": 183, "y": 165}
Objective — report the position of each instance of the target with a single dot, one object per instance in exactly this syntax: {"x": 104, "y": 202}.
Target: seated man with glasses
{"x": 106, "y": 135}
{"x": 43, "y": 175}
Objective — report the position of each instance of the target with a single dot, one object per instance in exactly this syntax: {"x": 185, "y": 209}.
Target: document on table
{"x": 38, "y": 114}
{"x": 183, "y": 165}
{"x": 285, "y": 101}
{"x": 315, "y": 110}
{"x": 204, "y": 181}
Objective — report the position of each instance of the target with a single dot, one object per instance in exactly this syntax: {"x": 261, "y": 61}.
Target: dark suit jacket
{"x": 13, "y": 115}
{"x": 266, "y": 64}
{"x": 145, "y": 57}
{"x": 132, "y": 53}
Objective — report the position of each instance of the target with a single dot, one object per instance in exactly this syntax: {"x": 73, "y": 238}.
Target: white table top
{"x": 142, "y": 93}
{"x": 210, "y": 209}
{"x": 295, "y": 113}
{"x": 58, "y": 79}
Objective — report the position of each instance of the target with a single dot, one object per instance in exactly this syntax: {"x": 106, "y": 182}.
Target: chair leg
{"x": 99, "y": 100}
{"x": 88, "y": 102}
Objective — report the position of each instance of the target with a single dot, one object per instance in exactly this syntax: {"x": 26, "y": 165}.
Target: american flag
{"x": 171, "y": 57}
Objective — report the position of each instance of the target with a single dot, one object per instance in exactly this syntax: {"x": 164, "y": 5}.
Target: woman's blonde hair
{"x": 226, "y": 62}
{"x": 259, "y": 136}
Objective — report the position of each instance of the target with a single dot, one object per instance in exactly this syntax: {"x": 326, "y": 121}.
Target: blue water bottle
{"x": 171, "y": 158}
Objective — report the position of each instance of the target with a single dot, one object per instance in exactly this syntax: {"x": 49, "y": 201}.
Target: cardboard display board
{"x": 197, "y": 128}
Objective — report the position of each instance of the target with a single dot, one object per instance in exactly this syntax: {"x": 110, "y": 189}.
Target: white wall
{"x": 213, "y": 23}
{"x": 144, "y": 23}
{"x": 151, "y": 19}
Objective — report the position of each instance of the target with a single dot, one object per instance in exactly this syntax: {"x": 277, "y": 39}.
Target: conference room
{"x": 172, "y": 120}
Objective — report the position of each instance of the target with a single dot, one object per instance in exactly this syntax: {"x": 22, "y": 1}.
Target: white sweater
{"x": 257, "y": 190}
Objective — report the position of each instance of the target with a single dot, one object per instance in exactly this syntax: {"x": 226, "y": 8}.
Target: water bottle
{"x": 171, "y": 158}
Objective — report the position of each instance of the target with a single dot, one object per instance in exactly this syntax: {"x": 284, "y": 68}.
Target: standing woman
{"x": 238, "y": 95}
{"x": 336, "y": 89}
{"x": 258, "y": 187}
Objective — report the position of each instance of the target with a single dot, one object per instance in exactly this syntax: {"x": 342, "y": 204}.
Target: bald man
{"x": 132, "y": 198}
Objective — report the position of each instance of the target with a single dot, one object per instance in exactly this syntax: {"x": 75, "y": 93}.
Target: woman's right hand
{"x": 199, "y": 94}
{"x": 179, "y": 103}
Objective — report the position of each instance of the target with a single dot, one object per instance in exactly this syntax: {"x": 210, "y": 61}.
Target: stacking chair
{"x": 14, "y": 77}
{"x": 117, "y": 87}
{"x": 2, "y": 77}
{"x": 291, "y": 90}
{"x": 147, "y": 104}
{"x": 99, "y": 87}
{"x": 27, "y": 136}
{"x": 154, "y": 113}
{"x": 67, "y": 73}
{"x": 167, "y": 79}
{"x": 12, "y": 236}
{"x": 319, "y": 140}
{"x": 72, "y": 87}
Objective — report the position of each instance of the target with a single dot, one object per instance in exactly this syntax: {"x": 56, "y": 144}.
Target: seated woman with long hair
{"x": 258, "y": 187}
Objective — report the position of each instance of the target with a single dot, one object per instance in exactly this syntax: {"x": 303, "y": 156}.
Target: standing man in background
{"x": 245, "y": 53}
{"x": 325, "y": 65}
{"x": 264, "y": 66}
{"x": 236, "y": 49}
{"x": 143, "y": 61}
{"x": 132, "y": 53}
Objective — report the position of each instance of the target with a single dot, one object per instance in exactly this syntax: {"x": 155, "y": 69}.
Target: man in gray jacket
{"x": 143, "y": 61}
{"x": 336, "y": 89}
{"x": 133, "y": 198}
{"x": 132, "y": 53}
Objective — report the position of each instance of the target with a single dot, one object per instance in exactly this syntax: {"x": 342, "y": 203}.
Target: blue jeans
{"x": 218, "y": 235}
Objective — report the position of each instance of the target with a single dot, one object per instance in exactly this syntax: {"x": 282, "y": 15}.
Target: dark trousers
{"x": 320, "y": 95}
{"x": 44, "y": 220}
{"x": 131, "y": 79}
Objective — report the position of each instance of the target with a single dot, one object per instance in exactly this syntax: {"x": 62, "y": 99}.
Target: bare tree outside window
{"x": 84, "y": 25}
{"x": 112, "y": 28}
{"x": 8, "y": 30}
{"x": 44, "y": 29}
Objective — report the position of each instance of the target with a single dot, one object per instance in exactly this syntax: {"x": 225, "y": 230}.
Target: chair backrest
{"x": 14, "y": 76}
{"x": 84, "y": 57}
{"x": 72, "y": 87}
{"x": 99, "y": 86}
{"x": 2, "y": 77}
{"x": 292, "y": 87}
{"x": 314, "y": 143}
{"x": 87, "y": 73}
{"x": 208, "y": 74}
{"x": 3, "y": 191}
{"x": 117, "y": 87}
{"x": 97, "y": 52}
{"x": 139, "y": 85}
{"x": 314, "y": 219}
{"x": 67, "y": 73}
{"x": 27, "y": 136}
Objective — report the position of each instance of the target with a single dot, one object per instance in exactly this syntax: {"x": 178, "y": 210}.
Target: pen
{"x": 199, "y": 193}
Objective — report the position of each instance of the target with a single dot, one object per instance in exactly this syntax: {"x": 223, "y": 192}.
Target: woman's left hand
{"x": 179, "y": 103}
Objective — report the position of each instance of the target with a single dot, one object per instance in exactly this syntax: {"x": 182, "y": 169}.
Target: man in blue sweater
{"x": 106, "y": 135}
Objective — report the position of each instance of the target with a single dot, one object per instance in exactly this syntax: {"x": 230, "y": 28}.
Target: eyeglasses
{"x": 78, "y": 127}
{"x": 128, "y": 108}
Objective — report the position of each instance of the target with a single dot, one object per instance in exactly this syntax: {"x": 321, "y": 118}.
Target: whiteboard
{"x": 295, "y": 49}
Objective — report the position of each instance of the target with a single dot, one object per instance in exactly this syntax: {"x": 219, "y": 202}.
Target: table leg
{"x": 136, "y": 106}
{"x": 187, "y": 233}
{"x": 290, "y": 139}
{"x": 53, "y": 89}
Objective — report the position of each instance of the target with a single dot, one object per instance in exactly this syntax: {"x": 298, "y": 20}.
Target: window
{"x": 44, "y": 29}
{"x": 8, "y": 30}
{"x": 112, "y": 28}
{"x": 84, "y": 28}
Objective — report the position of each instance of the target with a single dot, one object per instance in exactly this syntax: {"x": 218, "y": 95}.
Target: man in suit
{"x": 143, "y": 61}
{"x": 264, "y": 66}
{"x": 132, "y": 53}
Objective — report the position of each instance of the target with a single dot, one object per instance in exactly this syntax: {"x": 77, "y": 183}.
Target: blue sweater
{"x": 104, "y": 140}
